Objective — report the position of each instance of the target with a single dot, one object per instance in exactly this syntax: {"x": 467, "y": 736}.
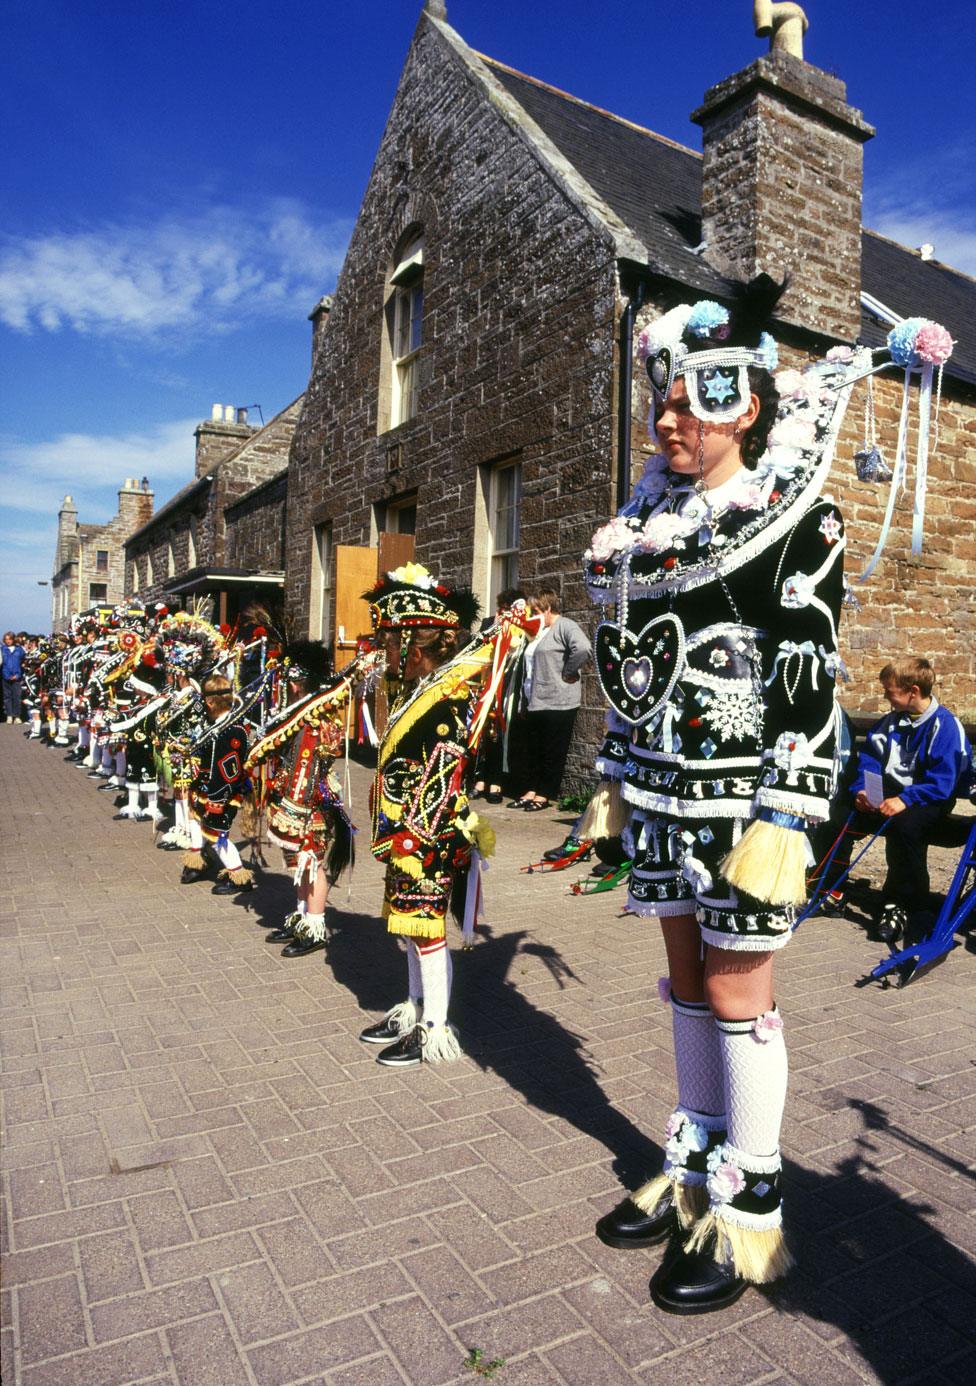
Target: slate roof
{"x": 654, "y": 186}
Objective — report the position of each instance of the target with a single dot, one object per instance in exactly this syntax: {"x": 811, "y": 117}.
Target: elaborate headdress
{"x": 307, "y": 660}
{"x": 411, "y": 598}
{"x": 712, "y": 347}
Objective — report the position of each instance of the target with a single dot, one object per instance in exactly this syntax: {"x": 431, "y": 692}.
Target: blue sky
{"x": 180, "y": 178}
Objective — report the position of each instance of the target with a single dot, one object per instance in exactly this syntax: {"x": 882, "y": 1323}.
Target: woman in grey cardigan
{"x": 552, "y": 698}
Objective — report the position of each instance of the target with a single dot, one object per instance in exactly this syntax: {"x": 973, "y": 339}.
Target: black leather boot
{"x": 300, "y": 946}
{"x": 693, "y": 1282}
{"x": 628, "y": 1226}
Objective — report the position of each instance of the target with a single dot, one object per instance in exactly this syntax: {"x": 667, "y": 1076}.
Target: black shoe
{"x": 494, "y": 796}
{"x": 563, "y": 850}
{"x": 694, "y": 1282}
{"x": 107, "y": 784}
{"x": 628, "y": 1226}
{"x": 891, "y": 925}
{"x": 833, "y": 902}
{"x": 124, "y": 818}
{"x": 408, "y": 1051}
{"x": 300, "y": 946}
{"x": 518, "y": 803}
{"x": 383, "y": 1032}
{"x": 227, "y": 887}
{"x": 281, "y": 935}
{"x": 191, "y": 874}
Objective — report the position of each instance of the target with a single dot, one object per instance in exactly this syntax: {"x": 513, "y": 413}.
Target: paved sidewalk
{"x": 207, "y": 1179}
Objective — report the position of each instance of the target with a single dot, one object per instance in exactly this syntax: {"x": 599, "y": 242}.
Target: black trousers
{"x": 547, "y": 738}
{"x": 906, "y": 842}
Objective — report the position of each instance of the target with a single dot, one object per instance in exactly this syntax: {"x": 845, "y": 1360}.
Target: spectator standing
{"x": 551, "y": 694}
{"x": 921, "y": 754}
{"x": 13, "y": 678}
{"x": 491, "y": 757}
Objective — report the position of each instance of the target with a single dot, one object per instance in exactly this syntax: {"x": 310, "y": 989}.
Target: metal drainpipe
{"x": 635, "y": 302}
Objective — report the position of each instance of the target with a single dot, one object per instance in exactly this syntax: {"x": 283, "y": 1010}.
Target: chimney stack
{"x": 135, "y": 504}
{"x": 219, "y": 436}
{"x": 781, "y": 187}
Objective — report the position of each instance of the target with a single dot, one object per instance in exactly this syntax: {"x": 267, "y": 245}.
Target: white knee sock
{"x": 414, "y": 976}
{"x": 152, "y": 802}
{"x": 196, "y": 835}
{"x": 120, "y": 764}
{"x": 230, "y": 857}
{"x": 697, "y": 1058}
{"x": 84, "y": 738}
{"x": 435, "y": 974}
{"x": 182, "y": 817}
{"x": 756, "y": 1071}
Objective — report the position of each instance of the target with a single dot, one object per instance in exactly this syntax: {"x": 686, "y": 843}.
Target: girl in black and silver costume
{"x": 726, "y": 569}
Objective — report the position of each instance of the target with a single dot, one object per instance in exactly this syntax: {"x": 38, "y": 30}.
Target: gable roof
{"x": 654, "y": 186}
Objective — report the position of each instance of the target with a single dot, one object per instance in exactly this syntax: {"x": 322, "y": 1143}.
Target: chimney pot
{"x": 242, "y": 416}
{"x": 926, "y": 251}
{"x": 228, "y": 413}
{"x": 217, "y": 412}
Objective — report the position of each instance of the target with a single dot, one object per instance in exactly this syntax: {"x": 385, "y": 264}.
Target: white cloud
{"x": 930, "y": 202}
{"x": 91, "y": 468}
{"x": 202, "y": 274}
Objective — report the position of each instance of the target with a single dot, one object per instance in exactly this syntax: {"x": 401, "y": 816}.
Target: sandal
{"x": 535, "y": 805}
{"x": 518, "y": 803}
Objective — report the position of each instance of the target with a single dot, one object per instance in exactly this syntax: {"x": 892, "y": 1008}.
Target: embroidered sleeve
{"x": 611, "y": 760}
{"x": 799, "y": 664}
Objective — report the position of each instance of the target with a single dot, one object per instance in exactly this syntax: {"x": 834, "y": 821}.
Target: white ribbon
{"x": 922, "y": 456}
{"x": 786, "y": 651}
{"x": 897, "y": 477}
{"x": 474, "y": 899}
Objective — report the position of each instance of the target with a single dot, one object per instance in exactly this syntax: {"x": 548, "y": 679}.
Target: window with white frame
{"x": 101, "y": 560}
{"x": 405, "y": 311}
{"x": 149, "y": 570}
{"x": 504, "y": 506}
{"x": 400, "y": 515}
{"x": 191, "y": 543}
{"x": 323, "y": 583}
{"x": 97, "y": 592}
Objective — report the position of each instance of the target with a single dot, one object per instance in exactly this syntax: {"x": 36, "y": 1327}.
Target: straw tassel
{"x": 758, "y": 1254}
{"x": 193, "y": 858}
{"x": 606, "y": 814}
{"x": 690, "y": 1200}
{"x": 769, "y": 863}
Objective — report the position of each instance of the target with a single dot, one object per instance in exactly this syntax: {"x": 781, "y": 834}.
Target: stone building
{"x": 199, "y": 545}
{"x": 474, "y": 384}
{"x": 89, "y": 562}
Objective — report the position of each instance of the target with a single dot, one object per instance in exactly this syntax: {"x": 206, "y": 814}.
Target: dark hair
{"x": 755, "y": 439}
{"x": 508, "y": 597}
{"x": 438, "y": 644}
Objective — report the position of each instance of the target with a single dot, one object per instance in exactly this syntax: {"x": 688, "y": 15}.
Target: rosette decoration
{"x": 921, "y": 347}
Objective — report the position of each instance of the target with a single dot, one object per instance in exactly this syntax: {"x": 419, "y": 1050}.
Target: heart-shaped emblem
{"x": 638, "y": 671}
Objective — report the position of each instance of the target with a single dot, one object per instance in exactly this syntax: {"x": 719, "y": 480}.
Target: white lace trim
{"x": 745, "y": 943}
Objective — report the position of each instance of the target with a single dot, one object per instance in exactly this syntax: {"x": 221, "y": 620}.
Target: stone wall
{"x": 255, "y": 527}
{"x": 79, "y": 545}
{"x": 517, "y": 361}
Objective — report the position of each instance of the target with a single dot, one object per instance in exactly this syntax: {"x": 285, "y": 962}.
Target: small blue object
{"x": 705, "y": 317}
{"x": 901, "y": 341}
{"x": 767, "y": 345}
{"x": 719, "y": 388}
{"x": 782, "y": 820}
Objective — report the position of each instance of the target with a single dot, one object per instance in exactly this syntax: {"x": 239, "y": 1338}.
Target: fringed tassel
{"x": 606, "y": 814}
{"x": 759, "y": 1254}
{"x": 769, "y": 863}
{"x": 404, "y": 1017}
{"x": 690, "y": 1200}
{"x": 240, "y": 876}
{"x": 441, "y": 1044}
{"x": 193, "y": 858}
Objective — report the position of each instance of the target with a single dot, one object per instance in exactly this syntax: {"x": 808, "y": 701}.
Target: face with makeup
{"x": 685, "y": 439}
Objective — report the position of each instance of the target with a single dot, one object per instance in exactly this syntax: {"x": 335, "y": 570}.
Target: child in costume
{"x": 216, "y": 790}
{"x": 419, "y": 803}
{"x": 306, "y": 818}
{"x": 726, "y": 569}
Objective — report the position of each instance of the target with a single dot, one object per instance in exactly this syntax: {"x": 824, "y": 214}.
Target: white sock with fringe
{"x": 436, "y": 970}
{"x": 756, "y": 1073}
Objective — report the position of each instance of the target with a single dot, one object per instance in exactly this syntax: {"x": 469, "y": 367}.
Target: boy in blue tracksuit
{"x": 921, "y": 752}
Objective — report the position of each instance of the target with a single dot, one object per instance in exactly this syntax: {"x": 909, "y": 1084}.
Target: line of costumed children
{"x": 719, "y": 665}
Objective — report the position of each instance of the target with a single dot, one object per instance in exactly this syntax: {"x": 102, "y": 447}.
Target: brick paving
{"x": 207, "y": 1179}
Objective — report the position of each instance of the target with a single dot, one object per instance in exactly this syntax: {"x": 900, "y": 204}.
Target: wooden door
{"x": 355, "y": 573}
{"x": 394, "y": 550}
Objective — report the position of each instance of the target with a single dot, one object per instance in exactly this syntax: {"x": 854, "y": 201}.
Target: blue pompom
{"x": 705, "y": 317}
{"x": 901, "y": 341}
{"x": 767, "y": 345}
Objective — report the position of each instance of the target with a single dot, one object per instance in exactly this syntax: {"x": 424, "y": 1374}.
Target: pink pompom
{"x": 933, "y": 345}
{"x": 766, "y": 1026}
{"x": 664, "y": 989}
